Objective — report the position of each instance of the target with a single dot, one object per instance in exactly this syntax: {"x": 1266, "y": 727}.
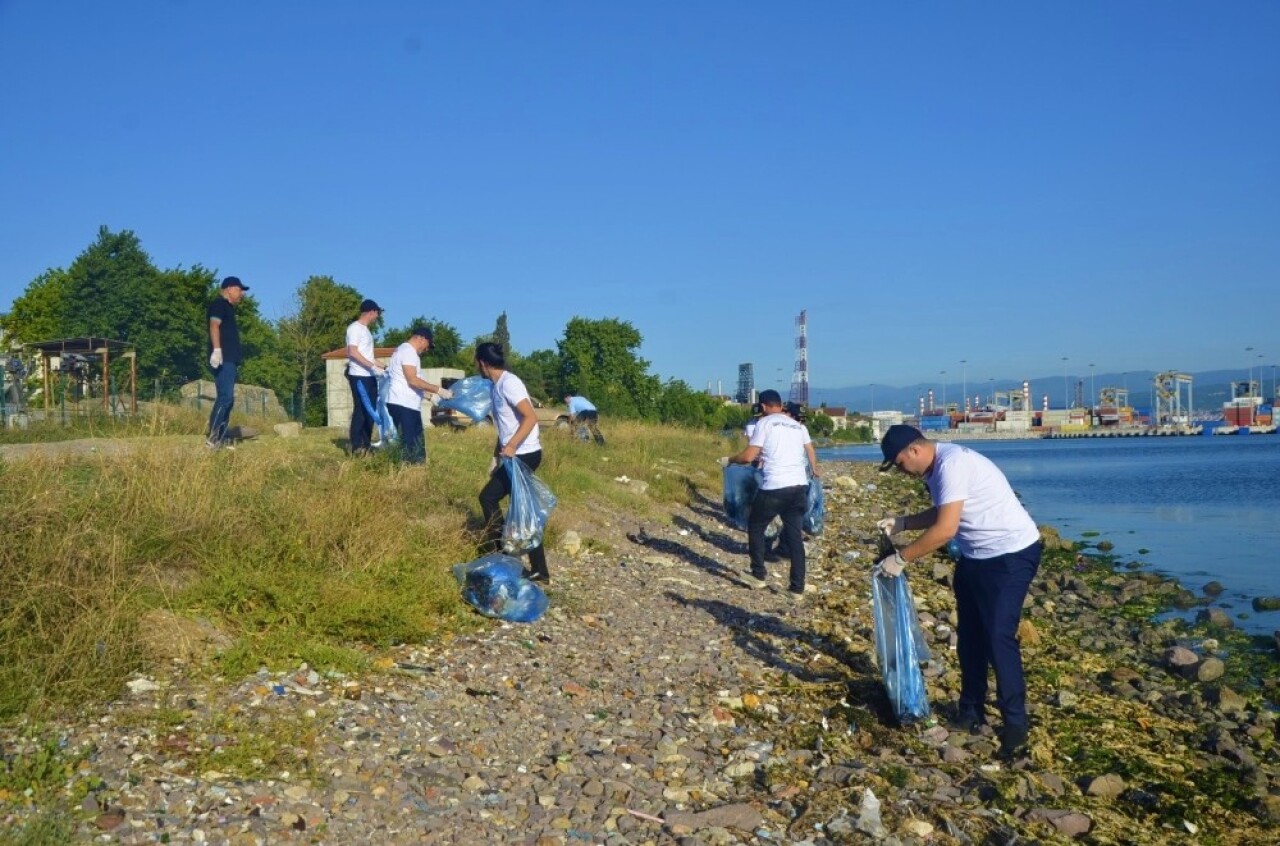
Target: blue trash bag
{"x": 385, "y": 425}
{"x": 741, "y": 482}
{"x": 494, "y": 587}
{"x": 531, "y": 505}
{"x": 380, "y": 415}
{"x": 816, "y": 513}
{"x": 471, "y": 396}
{"x": 900, "y": 647}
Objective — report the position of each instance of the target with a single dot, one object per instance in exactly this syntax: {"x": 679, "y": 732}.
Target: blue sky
{"x": 1003, "y": 183}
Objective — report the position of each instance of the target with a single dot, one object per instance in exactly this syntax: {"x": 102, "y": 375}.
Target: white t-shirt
{"x": 506, "y": 394}
{"x": 398, "y": 391}
{"x": 781, "y": 441}
{"x": 992, "y": 520}
{"x": 359, "y": 336}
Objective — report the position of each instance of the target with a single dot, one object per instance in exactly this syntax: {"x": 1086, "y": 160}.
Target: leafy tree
{"x": 733, "y": 417}
{"x": 322, "y": 310}
{"x": 540, "y": 371}
{"x": 446, "y": 350}
{"x": 39, "y": 314}
{"x": 177, "y": 332}
{"x": 598, "y": 359}
{"x": 679, "y": 403}
{"x": 820, "y": 425}
{"x": 112, "y": 290}
{"x": 501, "y": 336}
{"x": 265, "y": 361}
{"x": 854, "y": 433}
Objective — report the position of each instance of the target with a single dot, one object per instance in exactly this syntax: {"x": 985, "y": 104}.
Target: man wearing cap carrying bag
{"x": 1000, "y": 554}
{"x": 405, "y": 390}
{"x": 362, "y": 371}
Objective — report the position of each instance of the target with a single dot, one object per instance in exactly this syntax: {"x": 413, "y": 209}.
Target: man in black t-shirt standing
{"x": 224, "y": 358}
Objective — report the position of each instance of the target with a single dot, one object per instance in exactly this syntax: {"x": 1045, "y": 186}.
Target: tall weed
{"x": 295, "y": 550}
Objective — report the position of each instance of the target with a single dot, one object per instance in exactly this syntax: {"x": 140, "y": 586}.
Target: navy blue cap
{"x": 898, "y": 438}
{"x": 234, "y": 282}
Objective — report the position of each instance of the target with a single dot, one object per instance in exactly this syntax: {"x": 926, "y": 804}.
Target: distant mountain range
{"x": 1209, "y": 389}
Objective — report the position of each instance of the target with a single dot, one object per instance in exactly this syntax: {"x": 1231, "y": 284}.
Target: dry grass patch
{"x": 293, "y": 550}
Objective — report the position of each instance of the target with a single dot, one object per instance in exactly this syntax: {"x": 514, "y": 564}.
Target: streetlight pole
{"x": 964, "y": 385}
{"x": 943, "y": 374}
{"x": 1066, "y": 403}
{"x": 1092, "y": 399}
{"x": 873, "y": 398}
{"x": 991, "y": 392}
{"x": 1260, "y": 377}
{"x": 1250, "y": 376}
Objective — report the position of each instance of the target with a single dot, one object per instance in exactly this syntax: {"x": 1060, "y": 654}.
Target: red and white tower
{"x": 800, "y": 376}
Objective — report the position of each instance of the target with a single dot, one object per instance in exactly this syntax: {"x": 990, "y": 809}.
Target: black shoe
{"x": 1013, "y": 742}
{"x": 968, "y": 719}
{"x": 543, "y": 578}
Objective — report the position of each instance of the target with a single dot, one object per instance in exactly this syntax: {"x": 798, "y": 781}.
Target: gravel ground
{"x": 637, "y": 702}
{"x": 660, "y": 700}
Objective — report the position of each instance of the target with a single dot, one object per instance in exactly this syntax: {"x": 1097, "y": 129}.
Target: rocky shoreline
{"x": 662, "y": 701}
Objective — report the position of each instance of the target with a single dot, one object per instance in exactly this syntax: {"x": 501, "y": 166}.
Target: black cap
{"x": 368, "y": 306}
{"x": 770, "y": 397}
{"x": 898, "y": 438}
{"x": 234, "y": 282}
{"x": 423, "y": 332}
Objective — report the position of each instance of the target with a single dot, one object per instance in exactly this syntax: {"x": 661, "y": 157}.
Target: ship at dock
{"x": 1247, "y": 412}
{"x": 1018, "y": 413}
{"x": 1013, "y": 413}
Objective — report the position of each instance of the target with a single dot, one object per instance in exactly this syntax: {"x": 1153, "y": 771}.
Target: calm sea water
{"x": 1204, "y": 508}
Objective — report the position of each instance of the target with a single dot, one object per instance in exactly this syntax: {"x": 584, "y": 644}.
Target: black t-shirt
{"x": 225, "y": 312}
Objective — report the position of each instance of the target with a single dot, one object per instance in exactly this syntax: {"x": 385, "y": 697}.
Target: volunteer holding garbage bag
{"x": 788, "y": 457}
{"x": 517, "y": 426}
{"x": 362, "y": 373}
{"x": 405, "y": 390}
{"x": 1000, "y": 554}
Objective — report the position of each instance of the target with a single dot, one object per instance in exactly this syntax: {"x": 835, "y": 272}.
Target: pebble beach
{"x": 660, "y": 700}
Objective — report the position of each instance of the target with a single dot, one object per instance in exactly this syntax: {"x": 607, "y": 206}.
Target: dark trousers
{"x": 493, "y": 492}
{"x": 589, "y": 426}
{"x": 989, "y": 595}
{"x": 361, "y": 423}
{"x": 224, "y": 383}
{"x": 413, "y": 444}
{"x": 791, "y": 504}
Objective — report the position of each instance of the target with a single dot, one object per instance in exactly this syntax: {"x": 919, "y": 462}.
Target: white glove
{"x": 215, "y": 358}
{"x": 379, "y": 370}
{"x": 889, "y": 566}
{"x": 723, "y": 461}
{"x": 891, "y": 525}
{"x": 444, "y": 393}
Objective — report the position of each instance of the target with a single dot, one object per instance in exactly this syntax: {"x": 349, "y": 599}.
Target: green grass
{"x": 294, "y": 550}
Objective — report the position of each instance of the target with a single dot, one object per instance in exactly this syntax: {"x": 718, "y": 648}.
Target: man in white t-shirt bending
{"x": 788, "y": 457}
{"x": 405, "y": 389}
{"x": 362, "y": 371}
{"x": 999, "y": 555}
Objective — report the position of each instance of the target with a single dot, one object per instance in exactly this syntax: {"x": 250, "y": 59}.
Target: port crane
{"x": 1170, "y": 409}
